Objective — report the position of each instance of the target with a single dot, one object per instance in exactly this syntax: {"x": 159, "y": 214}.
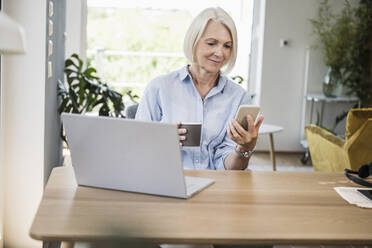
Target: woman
{"x": 200, "y": 93}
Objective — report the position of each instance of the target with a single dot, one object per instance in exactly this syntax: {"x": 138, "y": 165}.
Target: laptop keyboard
{"x": 195, "y": 184}
{"x": 191, "y": 184}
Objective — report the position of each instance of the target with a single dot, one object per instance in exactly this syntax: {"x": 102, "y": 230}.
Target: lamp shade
{"x": 12, "y": 37}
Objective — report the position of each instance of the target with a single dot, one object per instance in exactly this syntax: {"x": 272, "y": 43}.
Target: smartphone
{"x": 245, "y": 110}
{"x": 366, "y": 192}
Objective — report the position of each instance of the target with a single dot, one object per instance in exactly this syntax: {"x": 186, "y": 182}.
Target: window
{"x": 132, "y": 42}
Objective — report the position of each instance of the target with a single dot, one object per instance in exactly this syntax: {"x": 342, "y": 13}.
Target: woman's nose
{"x": 218, "y": 52}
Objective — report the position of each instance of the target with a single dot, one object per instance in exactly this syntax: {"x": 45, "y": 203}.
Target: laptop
{"x": 128, "y": 155}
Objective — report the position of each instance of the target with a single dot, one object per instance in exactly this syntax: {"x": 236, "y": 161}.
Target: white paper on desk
{"x": 352, "y": 196}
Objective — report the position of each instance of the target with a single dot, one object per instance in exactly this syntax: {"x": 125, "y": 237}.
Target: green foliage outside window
{"x": 138, "y": 69}
{"x": 136, "y": 30}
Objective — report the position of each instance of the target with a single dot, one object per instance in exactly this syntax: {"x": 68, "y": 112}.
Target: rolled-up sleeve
{"x": 223, "y": 149}
{"x": 149, "y": 108}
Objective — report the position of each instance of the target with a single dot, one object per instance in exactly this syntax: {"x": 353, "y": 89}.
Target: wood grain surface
{"x": 241, "y": 207}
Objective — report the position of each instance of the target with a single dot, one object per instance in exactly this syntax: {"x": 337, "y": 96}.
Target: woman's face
{"x": 214, "y": 47}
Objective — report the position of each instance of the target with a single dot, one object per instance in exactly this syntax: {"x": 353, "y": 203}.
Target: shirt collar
{"x": 184, "y": 73}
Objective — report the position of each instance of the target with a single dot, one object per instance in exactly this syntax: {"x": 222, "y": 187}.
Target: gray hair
{"x": 197, "y": 28}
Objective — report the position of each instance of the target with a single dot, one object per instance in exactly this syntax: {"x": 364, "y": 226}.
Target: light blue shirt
{"x": 173, "y": 97}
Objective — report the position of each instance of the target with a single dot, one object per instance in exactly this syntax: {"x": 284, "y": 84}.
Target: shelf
{"x": 322, "y": 97}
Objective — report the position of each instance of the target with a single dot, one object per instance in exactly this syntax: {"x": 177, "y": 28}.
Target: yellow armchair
{"x": 331, "y": 153}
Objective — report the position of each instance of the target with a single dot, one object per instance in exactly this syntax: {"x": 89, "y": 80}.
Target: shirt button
{"x": 196, "y": 161}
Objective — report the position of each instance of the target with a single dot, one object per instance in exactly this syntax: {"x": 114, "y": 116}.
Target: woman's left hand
{"x": 245, "y": 138}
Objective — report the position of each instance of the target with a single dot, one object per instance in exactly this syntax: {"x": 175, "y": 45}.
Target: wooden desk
{"x": 242, "y": 207}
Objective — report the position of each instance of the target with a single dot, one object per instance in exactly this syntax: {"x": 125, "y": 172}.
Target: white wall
{"x": 281, "y": 91}
{"x": 22, "y": 134}
{"x": 282, "y": 71}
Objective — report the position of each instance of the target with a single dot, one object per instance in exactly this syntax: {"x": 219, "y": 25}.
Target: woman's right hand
{"x": 181, "y": 133}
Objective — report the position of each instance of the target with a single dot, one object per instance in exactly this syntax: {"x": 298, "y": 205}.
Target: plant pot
{"x": 332, "y": 84}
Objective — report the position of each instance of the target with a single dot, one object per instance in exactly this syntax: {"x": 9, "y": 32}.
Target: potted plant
{"x": 359, "y": 78}
{"x": 85, "y": 92}
{"x": 335, "y": 35}
{"x": 343, "y": 39}
{"x": 346, "y": 41}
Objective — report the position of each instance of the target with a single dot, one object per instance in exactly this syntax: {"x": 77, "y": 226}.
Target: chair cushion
{"x": 355, "y": 119}
{"x": 326, "y": 135}
{"x": 327, "y": 152}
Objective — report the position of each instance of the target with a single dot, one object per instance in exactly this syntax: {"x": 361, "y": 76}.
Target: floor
{"x": 285, "y": 161}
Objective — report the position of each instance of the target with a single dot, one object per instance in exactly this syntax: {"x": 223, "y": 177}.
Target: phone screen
{"x": 243, "y": 111}
{"x": 366, "y": 192}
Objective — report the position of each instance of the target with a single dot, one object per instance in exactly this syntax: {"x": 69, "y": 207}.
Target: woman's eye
{"x": 227, "y": 46}
{"x": 210, "y": 44}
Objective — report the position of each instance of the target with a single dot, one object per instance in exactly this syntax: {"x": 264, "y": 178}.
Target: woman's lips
{"x": 215, "y": 62}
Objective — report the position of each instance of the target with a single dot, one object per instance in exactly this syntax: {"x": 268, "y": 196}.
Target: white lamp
{"x": 12, "y": 37}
